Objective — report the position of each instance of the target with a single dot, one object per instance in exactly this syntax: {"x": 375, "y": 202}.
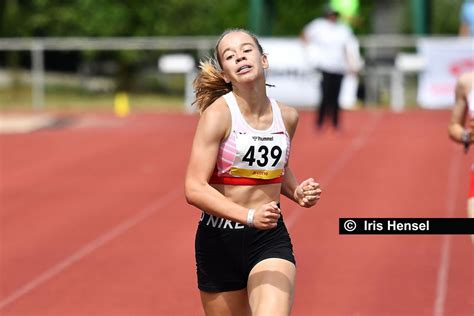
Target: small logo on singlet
{"x": 260, "y": 173}
{"x": 263, "y": 139}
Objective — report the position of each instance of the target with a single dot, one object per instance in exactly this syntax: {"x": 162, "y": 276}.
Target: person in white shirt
{"x": 333, "y": 50}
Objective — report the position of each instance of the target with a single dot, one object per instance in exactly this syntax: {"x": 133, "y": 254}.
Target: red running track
{"x": 94, "y": 221}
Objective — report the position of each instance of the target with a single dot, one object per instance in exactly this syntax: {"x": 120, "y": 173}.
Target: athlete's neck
{"x": 252, "y": 101}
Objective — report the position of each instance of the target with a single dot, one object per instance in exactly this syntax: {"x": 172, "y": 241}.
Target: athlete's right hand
{"x": 266, "y": 216}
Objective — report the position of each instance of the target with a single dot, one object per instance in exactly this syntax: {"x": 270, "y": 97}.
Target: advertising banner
{"x": 446, "y": 59}
{"x": 294, "y": 78}
{"x": 295, "y": 81}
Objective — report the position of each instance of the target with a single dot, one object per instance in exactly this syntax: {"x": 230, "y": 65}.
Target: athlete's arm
{"x": 308, "y": 192}
{"x": 213, "y": 126}
{"x": 460, "y": 109}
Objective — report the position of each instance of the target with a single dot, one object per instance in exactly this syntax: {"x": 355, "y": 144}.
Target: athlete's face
{"x": 240, "y": 58}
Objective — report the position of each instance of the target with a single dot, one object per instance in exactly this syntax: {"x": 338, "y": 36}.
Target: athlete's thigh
{"x": 470, "y": 207}
{"x": 225, "y": 303}
{"x": 270, "y": 287}
{"x": 470, "y": 212}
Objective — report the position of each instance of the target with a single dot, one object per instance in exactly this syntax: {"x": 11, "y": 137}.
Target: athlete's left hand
{"x": 307, "y": 193}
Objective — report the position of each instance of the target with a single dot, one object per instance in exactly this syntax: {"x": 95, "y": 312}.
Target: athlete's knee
{"x": 274, "y": 306}
{"x": 271, "y": 299}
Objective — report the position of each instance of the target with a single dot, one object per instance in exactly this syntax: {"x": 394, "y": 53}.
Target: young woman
{"x": 464, "y": 110}
{"x": 237, "y": 170}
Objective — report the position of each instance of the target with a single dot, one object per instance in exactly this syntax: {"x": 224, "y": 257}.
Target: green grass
{"x": 62, "y": 99}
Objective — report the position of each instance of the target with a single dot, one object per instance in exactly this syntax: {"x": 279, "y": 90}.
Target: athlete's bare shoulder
{"x": 216, "y": 118}
{"x": 218, "y": 108}
{"x": 290, "y": 117}
{"x": 466, "y": 80}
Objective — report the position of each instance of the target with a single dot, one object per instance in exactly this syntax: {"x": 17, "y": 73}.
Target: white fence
{"x": 379, "y": 52}
{"x": 37, "y": 46}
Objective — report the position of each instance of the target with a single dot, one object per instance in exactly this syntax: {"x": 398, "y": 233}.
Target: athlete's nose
{"x": 239, "y": 58}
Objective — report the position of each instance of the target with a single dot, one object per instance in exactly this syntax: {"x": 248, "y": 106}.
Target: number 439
{"x": 275, "y": 153}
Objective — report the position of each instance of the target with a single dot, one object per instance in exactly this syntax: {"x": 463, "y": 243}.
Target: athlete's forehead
{"x": 235, "y": 40}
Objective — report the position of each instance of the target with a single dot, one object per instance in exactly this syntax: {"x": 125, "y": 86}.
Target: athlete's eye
{"x": 248, "y": 50}
{"x": 229, "y": 57}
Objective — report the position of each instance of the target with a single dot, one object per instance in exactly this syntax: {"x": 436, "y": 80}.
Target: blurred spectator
{"x": 466, "y": 26}
{"x": 334, "y": 51}
{"x": 348, "y": 10}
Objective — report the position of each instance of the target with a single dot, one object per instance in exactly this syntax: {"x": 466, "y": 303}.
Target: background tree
{"x": 106, "y": 18}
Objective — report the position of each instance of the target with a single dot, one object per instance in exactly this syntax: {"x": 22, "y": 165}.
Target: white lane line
{"x": 443, "y": 270}
{"x": 335, "y": 168}
{"x": 160, "y": 203}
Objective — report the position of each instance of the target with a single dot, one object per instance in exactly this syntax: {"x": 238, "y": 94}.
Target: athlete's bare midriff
{"x": 250, "y": 195}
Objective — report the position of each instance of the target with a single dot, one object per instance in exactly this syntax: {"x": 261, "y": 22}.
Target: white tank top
{"x": 252, "y": 153}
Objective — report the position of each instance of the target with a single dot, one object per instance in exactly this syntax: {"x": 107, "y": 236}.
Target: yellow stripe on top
{"x": 256, "y": 174}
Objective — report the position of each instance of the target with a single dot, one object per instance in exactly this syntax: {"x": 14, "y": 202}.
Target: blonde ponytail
{"x": 209, "y": 85}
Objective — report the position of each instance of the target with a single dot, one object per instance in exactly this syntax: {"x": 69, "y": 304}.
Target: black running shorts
{"x": 227, "y": 251}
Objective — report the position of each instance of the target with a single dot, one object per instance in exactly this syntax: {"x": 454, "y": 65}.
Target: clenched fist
{"x": 266, "y": 216}
{"x": 307, "y": 193}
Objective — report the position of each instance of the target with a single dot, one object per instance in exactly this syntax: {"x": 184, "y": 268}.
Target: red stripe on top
{"x": 242, "y": 181}
{"x": 471, "y": 187}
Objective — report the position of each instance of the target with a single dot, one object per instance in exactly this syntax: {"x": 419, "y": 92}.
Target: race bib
{"x": 260, "y": 156}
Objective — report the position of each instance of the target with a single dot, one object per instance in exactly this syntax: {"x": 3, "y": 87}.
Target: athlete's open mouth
{"x": 244, "y": 69}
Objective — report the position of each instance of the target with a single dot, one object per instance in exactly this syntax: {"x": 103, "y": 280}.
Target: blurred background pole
{"x": 37, "y": 74}
{"x": 255, "y": 16}
{"x": 261, "y": 16}
{"x": 420, "y": 16}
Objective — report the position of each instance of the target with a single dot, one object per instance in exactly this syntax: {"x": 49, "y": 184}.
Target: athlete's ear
{"x": 226, "y": 79}
{"x": 265, "y": 61}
